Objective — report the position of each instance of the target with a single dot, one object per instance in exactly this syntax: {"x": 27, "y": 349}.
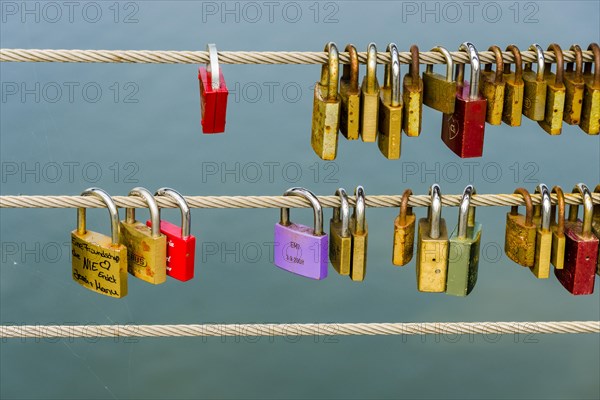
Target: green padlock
{"x": 463, "y": 257}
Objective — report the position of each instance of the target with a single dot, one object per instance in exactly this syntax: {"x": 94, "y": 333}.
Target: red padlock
{"x": 463, "y": 130}
{"x": 181, "y": 246}
{"x": 213, "y": 94}
{"x": 581, "y": 248}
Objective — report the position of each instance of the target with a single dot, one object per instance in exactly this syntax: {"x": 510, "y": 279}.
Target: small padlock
{"x": 574, "y": 85}
{"x": 463, "y": 130}
{"x": 596, "y": 225}
{"x": 413, "y": 96}
{"x": 439, "y": 92}
{"x": 99, "y": 262}
{"x": 534, "y": 94}
{"x": 298, "y": 248}
{"x": 519, "y": 240}
{"x": 326, "y": 108}
{"x": 590, "y": 109}
{"x": 463, "y": 253}
{"x": 432, "y": 247}
{"x": 493, "y": 87}
{"x": 360, "y": 235}
{"x": 555, "y": 94}
{"x": 213, "y": 94}
{"x": 558, "y": 230}
{"x": 543, "y": 240}
{"x": 181, "y": 245}
{"x": 369, "y": 101}
{"x": 146, "y": 247}
{"x": 340, "y": 241}
{"x": 513, "y": 90}
{"x": 404, "y": 232}
{"x": 390, "y": 108}
{"x": 350, "y": 96}
{"x": 581, "y": 248}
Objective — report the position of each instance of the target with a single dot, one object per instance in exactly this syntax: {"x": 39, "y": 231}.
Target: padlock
{"x": 326, "y": 108}
{"x": 590, "y": 109}
{"x": 404, "y": 232}
{"x": 213, "y": 94}
{"x": 413, "y": 96}
{"x": 360, "y": 235}
{"x": 557, "y": 258}
{"x": 369, "y": 100}
{"x": 581, "y": 248}
{"x": 543, "y": 240}
{"x": 390, "y": 108}
{"x": 519, "y": 240}
{"x": 596, "y": 225}
{"x": 463, "y": 130}
{"x": 513, "y": 90}
{"x": 298, "y": 248}
{"x": 181, "y": 245}
{"x": 463, "y": 253}
{"x": 99, "y": 262}
{"x": 146, "y": 247}
{"x": 350, "y": 96}
{"x": 432, "y": 247}
{"x": 534, "y": 94}
{"x": 492, "y": 87}
{"x": 574, "y": 85}
{"x": 555, "y": 94}
{"x": 340, "y": 241}
{"x": 439, "y": 92}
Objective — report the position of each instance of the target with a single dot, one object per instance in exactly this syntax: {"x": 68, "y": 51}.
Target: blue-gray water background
{"x": 65, "y": 127}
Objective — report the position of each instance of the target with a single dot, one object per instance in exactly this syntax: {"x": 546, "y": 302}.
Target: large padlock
{"x": 359, "y": 231}
{"x": 432, "y": 247}
{"x": 574, "y": 85}
{"x": 493, "y": 87}
{"x": 439, "y": 91}
{"x": 404, "y": 232}
{"x": 369, "y": 100}
{"x": 590, "y": 109}
{"x": 326, "y": 108}
{"x": 534, "y": 95}
{"x": 463, "y": 130}
{"x": 555, "y": 94}
{"x": 581, "y": 248}
{"x": 596, "y": 225}
{"x": 146, "y": 247}
{"x": 298, "y": 248}
{"x": 558, "y": 229}
{"x": 543, "y": 240}
{"x": 413, "y": 96}
{"x": 340, "y": 241}
{"x": 463, "y": 253}
{"x": 350, "y": 96}
{"x": 181, "y": 244}
{"x": 99, "y": 262}
{"x": 519, "y": 240}
{"x": 513, "y": 90}
{"x": 390, "y": 108}
{"x": 213, "y": 94}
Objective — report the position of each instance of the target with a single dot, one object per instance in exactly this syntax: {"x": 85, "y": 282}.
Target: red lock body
{"x": 581, "y": 252}
{"x": 213, "y": 102}
{"x": 180, "y": 251}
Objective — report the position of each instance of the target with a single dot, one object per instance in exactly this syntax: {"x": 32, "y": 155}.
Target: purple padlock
{"x": 298, "y": 248}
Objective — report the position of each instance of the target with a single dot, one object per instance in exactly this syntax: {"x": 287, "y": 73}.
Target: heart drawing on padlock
{"x": 105, "y": 264}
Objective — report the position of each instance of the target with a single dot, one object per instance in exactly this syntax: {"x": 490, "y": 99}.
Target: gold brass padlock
{"x": 432, "y": 247}
{"x": 404, "y": 232}
{"x": 439, "y": 92}
{"x": 555, "y": 94}
{"x": 590, "y": 109}
{"x": 99, "y": 262}
{"x": 519, "y": 240}
{"x": 360, "y": 235}
{"x": 534, "y": 94}
{"x": 574, "y": 85}
{"x": 413, "y": 96}
{"x": 350, "y": 96}
{"x": 596, "y": 225}
{"x": 390, "y": 108}
{"x": 558, "y": 230}
{"x": 326, "y": 108}
{"x": 340, "y": 240}
{"x": 543, "y": 241}
{"x": 492, "y": 87}
{"x": 513, "y": 90}
{"x": 146, "y": 247}
{"x": 369, "y": 100}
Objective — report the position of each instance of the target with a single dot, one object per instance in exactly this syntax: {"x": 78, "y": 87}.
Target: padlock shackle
{"x": 371, "y": 75}
{"x": 350, "y": 71}
{"x": 475, "y": 70}
{"x": 587, "y": 69}
{"x": 466, "y": 212}
{"x": 518, "y": 63}
{"x": 560, "y": 201}
{"x": 404, "y": 207}
{"x": 560, "y": 63}
{"x": 186, "y": 215}
{"x": 499, "y": 77}
{"x": 514, "y": 210}
{"x": 112, "y": 210}
{"x": 313, "y": 200}
{"x": 578, "y": 64}
{"x": 330, "y": 71}
{"x": 392, "y": 75}
{"x": 541, "y": 62}
{"x": 449, "y": 63}
{"x": 413, "y": 67}
{"x": 342, "y": 213}
{"x": 588, "y": 209}
{"x": 434, "y": 211}
{"x": 152, "y": 206}
{"x": 360, "y": 210}
{"x": 596, "y": 215}
{"x": 545, "y": 207}
{"x": 213, "y": 66}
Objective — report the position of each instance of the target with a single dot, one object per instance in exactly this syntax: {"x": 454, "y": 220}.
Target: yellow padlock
{"x": 590, "y": 109}
{"x": 369, "y": 101}
{"x": 413, "y": 96}
{"x": 492, "y": 87}
{"x": 573, "y": 80}
{"x": 555, "y": 94}
{"x": 350, "y": 96}
{"x": 513, "y": 90}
